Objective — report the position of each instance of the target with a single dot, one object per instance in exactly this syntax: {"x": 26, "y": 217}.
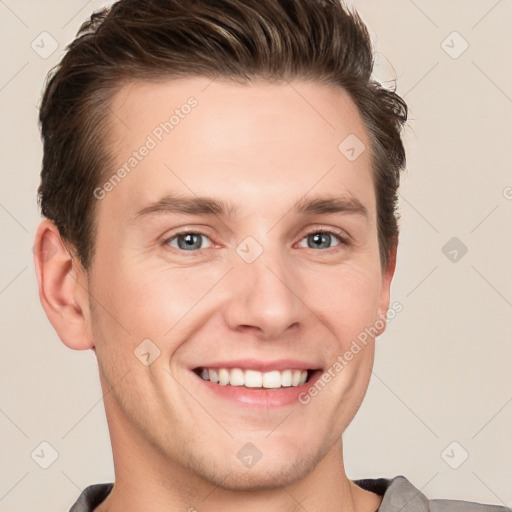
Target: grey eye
{"x": 187, "y": 241}
{"x": 321, "y": 240}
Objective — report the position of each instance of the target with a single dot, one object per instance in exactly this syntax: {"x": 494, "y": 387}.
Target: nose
{"x": 264, "y": 298}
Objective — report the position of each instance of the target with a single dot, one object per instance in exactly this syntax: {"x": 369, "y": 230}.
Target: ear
{"x": 387, "y": 276}
{"x": 63, "y": 287}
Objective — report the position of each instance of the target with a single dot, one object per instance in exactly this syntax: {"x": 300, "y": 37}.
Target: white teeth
{"x": 272, "y": 379}
{"x": 236, "y": 377}
{"x": 223, "y": 376}
{"x": 296, "y": 377}
{"x": 286, "y": 378}
{"x": 255, "y": 379}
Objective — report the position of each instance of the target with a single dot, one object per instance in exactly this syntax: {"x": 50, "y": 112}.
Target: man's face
{"x": 257, "y": 287}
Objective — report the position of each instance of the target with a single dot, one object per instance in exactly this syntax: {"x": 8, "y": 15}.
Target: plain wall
{"x": 443, "y": 368}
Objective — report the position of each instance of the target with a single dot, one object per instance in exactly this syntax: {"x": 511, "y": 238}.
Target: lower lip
{"x": 260, "y": 397}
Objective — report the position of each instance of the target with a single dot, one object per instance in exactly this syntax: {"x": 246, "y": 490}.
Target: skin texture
{"x": 262, "y": 147}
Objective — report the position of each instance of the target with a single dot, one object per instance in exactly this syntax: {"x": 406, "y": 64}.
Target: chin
{"x": 275, "y": 469}
{"x": 263, "y": 476}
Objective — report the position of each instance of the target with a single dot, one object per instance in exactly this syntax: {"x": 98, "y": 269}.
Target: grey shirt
{"x": 399, "y": 495}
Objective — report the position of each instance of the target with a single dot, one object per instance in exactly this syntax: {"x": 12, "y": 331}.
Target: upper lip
{"x": 262, "y": 366}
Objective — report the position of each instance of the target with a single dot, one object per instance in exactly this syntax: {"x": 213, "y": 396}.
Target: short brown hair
{"x": 317, "y": 40}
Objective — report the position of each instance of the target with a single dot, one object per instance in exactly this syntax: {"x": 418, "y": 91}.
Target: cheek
{"x": 158, "y": 303}
{"x": 348, "y": 302}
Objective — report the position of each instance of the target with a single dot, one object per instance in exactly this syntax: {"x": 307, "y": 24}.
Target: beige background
{"x": 442, "y": 371}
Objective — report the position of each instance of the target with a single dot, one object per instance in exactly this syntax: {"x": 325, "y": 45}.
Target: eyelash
{"x": 330, "y": 250}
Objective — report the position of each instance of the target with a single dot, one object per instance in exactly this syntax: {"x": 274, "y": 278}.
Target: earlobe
{"x": 63, "y": 288}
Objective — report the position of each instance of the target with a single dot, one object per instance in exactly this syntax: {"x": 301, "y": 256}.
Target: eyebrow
{"x": 210, "y": 206}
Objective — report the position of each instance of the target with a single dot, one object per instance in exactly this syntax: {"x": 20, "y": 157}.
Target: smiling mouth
{"x": 253, "y": 379}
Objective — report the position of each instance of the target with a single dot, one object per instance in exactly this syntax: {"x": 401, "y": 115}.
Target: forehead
{"x": 262, "y": 142}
